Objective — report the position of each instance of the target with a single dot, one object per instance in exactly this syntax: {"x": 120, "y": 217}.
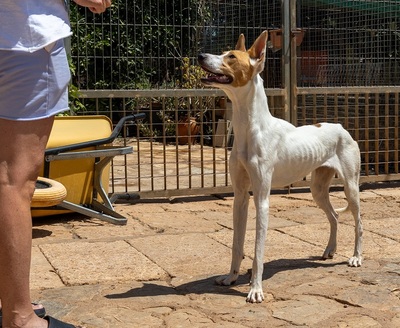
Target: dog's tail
{"x": 343, "y": 209}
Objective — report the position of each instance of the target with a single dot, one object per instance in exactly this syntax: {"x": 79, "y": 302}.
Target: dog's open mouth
{"x": 215, "y": 78}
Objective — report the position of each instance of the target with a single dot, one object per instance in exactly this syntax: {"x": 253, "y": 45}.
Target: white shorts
{"x": 34, "y": 85}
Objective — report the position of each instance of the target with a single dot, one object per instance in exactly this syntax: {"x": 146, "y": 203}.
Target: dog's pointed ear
{"x": 240, "y": 43}
{"x": 257, "y": 50}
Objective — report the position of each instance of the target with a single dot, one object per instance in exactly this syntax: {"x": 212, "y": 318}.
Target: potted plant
{"x": 276, "y": 37}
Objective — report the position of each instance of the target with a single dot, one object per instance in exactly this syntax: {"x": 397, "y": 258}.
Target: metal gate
{"x": 341, "y": 65}
{"x": 327, "y": 60}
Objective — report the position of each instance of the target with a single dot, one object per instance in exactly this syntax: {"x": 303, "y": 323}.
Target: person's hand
{"x": 95, "y": 6}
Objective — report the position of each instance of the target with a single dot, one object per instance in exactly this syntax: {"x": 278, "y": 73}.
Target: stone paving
{"x": 159, "y": 269}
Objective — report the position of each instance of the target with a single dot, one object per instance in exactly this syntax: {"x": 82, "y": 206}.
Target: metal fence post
{"x": 286, "y": 78}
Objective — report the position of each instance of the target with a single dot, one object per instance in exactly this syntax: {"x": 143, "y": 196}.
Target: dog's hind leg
{"x": 320, "y": 182}
{"x": 241, "y": 185}
{"x": 352, "y": 192}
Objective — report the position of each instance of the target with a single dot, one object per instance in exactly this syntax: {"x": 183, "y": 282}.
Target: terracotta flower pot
{"x": 187, "y": 130}
{"x": 276, "y": 37}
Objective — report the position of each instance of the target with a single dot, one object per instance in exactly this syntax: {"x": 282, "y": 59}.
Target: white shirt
{"x": 30, "y": 25}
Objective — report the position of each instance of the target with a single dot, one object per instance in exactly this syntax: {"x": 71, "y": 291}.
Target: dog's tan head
{"x": 237, "y": 67}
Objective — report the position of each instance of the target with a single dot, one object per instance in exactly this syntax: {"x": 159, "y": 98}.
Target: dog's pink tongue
{"x": 216, "y": 78}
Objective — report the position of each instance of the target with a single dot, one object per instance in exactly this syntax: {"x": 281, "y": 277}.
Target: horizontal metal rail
{"x": 347, "y": 90}
{"x": 95, "y": 94}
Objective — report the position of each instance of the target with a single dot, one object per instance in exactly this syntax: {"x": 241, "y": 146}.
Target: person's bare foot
{"x": 35, "y": 306}
{"x": 32, "y": 321}
{"x": 39, "y": 312}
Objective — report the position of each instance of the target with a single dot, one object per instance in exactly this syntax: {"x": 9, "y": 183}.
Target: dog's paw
{"x": 226, "y": 280}
{"x": 328, "y": 254}
{"x": 255, "y": 295}
{"x": 355, "y": 261}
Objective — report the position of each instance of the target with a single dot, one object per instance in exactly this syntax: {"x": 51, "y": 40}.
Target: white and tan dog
{"x": 270, "y": 152}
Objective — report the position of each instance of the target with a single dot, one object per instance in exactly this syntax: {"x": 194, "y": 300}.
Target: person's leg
{"x": 21, "y": 156}
{"x": 39, "y": 310}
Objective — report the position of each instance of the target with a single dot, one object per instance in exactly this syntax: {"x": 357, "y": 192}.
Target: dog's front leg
{"x": 240, "y": 209}
{"x": 261, "y": 193}
{"x": 240, "y": 184}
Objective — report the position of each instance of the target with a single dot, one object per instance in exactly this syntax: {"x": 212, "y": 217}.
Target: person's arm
{"x": 95, "y": 6}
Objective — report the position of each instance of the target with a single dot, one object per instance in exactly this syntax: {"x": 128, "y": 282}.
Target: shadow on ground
{"x": 208, "y": 285}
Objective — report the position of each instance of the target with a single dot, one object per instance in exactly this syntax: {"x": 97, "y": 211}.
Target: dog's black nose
{"x": 201, "y": 57}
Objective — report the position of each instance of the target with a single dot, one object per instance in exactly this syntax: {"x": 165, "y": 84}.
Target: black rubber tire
{"x": 48, "y": 193}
